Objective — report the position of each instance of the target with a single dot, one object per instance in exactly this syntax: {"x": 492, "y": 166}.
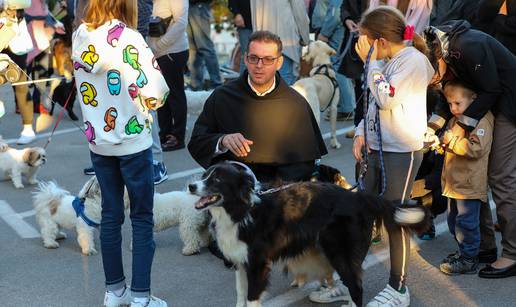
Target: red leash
{"x": 60, "y": 117}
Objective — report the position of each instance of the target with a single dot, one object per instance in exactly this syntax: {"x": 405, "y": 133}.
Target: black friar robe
{"x": 286, "y": 137}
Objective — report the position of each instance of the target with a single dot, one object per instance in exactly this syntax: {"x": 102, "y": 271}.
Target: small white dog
{"x": 321, "y": 88}
{"x": 15, "y": 162}
{"x": 54, "y": 209}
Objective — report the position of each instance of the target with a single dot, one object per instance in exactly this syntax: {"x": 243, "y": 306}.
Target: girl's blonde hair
{"x": 98, "y": 12}
{"x": 388, "y": 22}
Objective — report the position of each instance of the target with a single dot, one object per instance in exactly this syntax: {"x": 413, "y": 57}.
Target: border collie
{"x": 254, "y": 229}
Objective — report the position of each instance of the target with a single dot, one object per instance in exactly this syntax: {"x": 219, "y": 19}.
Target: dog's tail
{"x": 48, "y": 195}
{"x": 408, "y": 214}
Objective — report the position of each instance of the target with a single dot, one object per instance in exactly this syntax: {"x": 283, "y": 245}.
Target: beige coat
{"x": 464, "y": 173}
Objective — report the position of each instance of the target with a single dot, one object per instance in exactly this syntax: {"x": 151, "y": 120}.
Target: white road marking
{"x": 13, "y": 219}
{"x": 27, "y": 213}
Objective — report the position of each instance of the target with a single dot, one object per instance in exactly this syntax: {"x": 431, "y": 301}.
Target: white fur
{"x": 195, "y": 100}
{"x": 177, "y": 209}
{"x": 241, "y": 286}
{"x": 227, "y": 236}
{"x": 50, "y": 196}
{"x": 170, "y": 209}
{"x": 318, "y": 89}
{"x": 15, "y": 162}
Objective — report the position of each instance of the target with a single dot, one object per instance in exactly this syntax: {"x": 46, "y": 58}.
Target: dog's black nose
{"x": 192, "y": 188}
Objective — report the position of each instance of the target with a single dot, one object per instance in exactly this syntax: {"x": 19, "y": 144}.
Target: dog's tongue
{"x": 202, "y": 202}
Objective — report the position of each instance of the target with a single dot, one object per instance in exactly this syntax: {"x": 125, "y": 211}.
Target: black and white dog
{"x": 254, "y": 229}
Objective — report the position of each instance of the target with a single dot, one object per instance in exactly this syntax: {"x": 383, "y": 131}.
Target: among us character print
{"x": 90, "y": 132}
{"x": 133, "y": 126}
{"x": 110, "y": 119}
{"x": 133, "y": 91}
{"x": 89, "y": 58}
{"x": 142, "y": 79}
{"x": 114, "y": 83}
{"x": 89, "y": 93}
{"x": 114, "y": 34}
{"x": 148, "y": 126}
{"x": 130, "y": 56}
{"x": 382, "y": 85}
{"x": 151, "y": 103}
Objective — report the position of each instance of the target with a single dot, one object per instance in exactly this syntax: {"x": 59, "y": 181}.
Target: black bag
{"x": 158, "y": 26}
{"x": 351, "y": 65}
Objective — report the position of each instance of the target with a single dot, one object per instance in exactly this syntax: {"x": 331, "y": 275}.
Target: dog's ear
{"x": 31, "y": 156}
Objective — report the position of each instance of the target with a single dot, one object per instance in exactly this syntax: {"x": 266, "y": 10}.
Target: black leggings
{"x": 401, "y": 170}
{"x": 172, "y": 115}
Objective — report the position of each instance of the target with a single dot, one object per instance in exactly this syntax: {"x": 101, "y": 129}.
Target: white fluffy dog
{"x": 15, "y": 162}
{"x": 321, "y": 88}
{"x": 54, "y": 209}
{"x": 195, "y": 101}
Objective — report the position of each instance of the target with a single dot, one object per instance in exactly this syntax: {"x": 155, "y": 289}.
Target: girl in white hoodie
{"x": 398, "y": 75}
{"x": 118, "y": 81}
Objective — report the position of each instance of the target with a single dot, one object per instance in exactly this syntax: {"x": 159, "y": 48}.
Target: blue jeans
{"x": 464, "y": 224}
{"x": 287, "y": 70}
{"x": 243, "y": 39}
{"x": 347, "y": 93}
{"x": 202, "y": 49}
{"x": 135, "y": 171}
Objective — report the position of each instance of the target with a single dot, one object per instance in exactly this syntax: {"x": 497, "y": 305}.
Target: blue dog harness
{"x": 78, "y": 206}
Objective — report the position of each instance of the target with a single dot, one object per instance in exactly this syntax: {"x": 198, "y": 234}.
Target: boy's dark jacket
{"x": 486, "y": 66}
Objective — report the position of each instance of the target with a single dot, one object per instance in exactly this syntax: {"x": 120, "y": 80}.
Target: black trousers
{"x": 172, "y": 115}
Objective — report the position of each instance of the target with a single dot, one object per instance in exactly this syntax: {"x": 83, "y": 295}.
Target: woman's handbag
{"x": 158, "y": 26}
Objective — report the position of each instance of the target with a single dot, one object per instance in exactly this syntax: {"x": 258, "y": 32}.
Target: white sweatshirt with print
{"x": 118, "y": 80}
{"x": 399, "y": 91}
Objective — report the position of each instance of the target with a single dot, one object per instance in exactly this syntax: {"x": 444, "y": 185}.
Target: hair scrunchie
{"x": 408, "y": 35}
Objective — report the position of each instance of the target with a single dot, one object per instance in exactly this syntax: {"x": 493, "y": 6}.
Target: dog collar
{"x": 78, "y": 206}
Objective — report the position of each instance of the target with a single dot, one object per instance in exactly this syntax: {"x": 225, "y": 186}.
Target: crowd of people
{"x": 420, "y": 77}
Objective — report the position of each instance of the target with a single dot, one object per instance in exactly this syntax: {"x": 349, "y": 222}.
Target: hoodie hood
{"x": 446, "y": 33}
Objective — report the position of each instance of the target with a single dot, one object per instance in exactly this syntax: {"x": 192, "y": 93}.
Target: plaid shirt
{"x": 144, "y": 13}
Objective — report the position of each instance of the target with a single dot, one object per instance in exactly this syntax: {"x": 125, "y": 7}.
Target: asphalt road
{"x": 31, "y": 275}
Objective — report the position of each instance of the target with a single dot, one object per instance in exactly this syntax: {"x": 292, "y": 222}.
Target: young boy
{"x": 464, "y": 180}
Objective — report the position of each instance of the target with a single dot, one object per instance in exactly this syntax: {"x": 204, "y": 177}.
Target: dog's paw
{"x": 89, "y": 252}
{"x": 294, "y": 284}
{"x": 51, "y": 244}
{"x": 34, "y": 181}
{"x": 335, "y": 144}
{"x": 187, "y": 251}
{"x": 19, "y": 185}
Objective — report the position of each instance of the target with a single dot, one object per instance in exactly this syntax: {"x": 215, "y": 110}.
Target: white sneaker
{"x": 337, "y": 293}
{"x": 26, "y": 137}
{"x": 153, "y": 302}
{"x": 389, "y": 297}
{"x": 112, "y": 300}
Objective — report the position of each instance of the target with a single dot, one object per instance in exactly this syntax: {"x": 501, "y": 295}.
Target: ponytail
{"x": 420, "y": 44}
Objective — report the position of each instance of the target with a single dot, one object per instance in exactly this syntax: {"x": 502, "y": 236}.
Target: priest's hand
{"x": 237, "y": 144}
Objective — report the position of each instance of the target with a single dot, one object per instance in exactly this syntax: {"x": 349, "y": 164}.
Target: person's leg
{"x": 137, "y": 173}
{"x": 200, "y": 21}
{"x": 452, "y": 216}
{"x": 401, "y": 170}
{"x": 487, "y": 233}
{"x": 287, "y": 70}
{"x": 347, "y": 95}
{"x": 160, "y": 170}
{"x": 195, "y": 61}
{"x": 502, "y": 180}
{"x": 111, "y": 185}
{"x": 172, "y": 67}
{"x": 467, "y": 230}
{"x": 243, "y": 38}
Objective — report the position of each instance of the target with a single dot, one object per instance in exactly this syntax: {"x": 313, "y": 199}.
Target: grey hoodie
{"x": 398, "y": 89}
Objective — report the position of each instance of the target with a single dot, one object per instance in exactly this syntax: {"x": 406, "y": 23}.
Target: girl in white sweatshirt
{"x": 397, "y": 78}
{"x": 118, "y": 81}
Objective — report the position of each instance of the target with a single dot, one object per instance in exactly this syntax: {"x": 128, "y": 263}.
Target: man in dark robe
{"x": 259, "y": 120}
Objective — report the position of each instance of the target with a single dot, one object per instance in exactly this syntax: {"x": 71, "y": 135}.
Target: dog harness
{"x": 334, "y": 82}
{"x": 78, "y": 206}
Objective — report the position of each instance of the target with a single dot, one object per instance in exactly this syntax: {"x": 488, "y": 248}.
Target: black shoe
{"x": 89, "y": 171}
{"x": 172, "y": 143}
{"x": 490, "y": 272}
{"x": 488, "y": 256}
{"x": 460, "y": 265}
{"x": 451, "y": 257}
